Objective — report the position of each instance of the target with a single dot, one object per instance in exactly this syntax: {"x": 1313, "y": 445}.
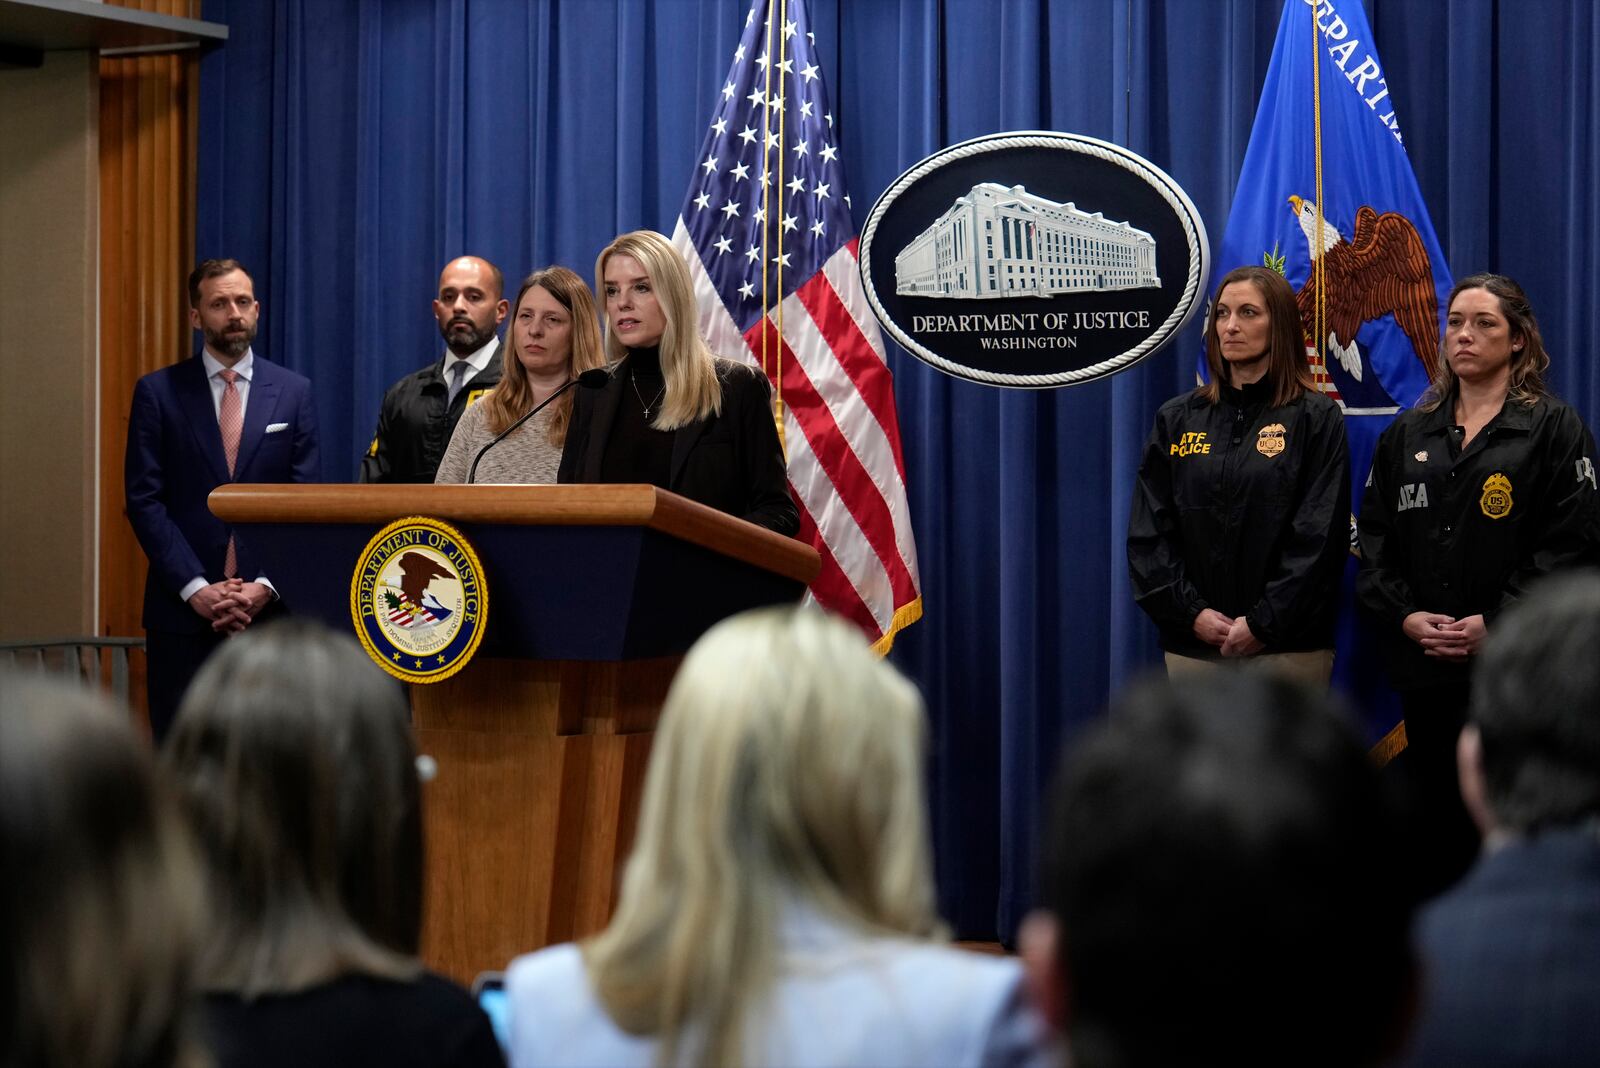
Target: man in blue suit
{"x": 226, "y": 415}
{"x": 1512, "y": 953}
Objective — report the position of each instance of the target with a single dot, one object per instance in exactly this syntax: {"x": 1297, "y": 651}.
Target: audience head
{"x": 470, "y": 306}
{"x": 649, "y": 302}
{"x": 292, "y": 755}
{"x": 1264, "y": 293}
{"x": 1530, "y": 754}
{"x": 554, "y": 336}
{"x": 100, "y": 901}
{"x": 1220, "y": 886}
{"x": 786, "y": 776}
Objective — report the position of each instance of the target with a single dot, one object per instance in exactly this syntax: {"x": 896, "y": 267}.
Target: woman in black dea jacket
{"x": 1241, "y": 515}
{"x": 1481, "y": 489}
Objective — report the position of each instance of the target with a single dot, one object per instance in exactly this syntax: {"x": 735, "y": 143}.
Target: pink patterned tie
{"x": 231, "y": 422}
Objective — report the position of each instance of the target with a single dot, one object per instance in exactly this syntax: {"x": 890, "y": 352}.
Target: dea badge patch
{"x": 1034, "y": 259}
{"x": 1496, "y": 500}
{"x": 418, "y": 599}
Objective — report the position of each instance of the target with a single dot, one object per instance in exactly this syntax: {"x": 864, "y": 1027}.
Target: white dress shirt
{"x": 477, "y": 361}
{"x": 245, "y": 368}
{"x": 214, "y": 368}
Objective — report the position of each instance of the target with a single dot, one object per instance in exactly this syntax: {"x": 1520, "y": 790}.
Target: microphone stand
{"x": 595, "y": 378}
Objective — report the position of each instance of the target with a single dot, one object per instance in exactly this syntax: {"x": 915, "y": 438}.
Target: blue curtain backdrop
{"x": 348, "y": 149}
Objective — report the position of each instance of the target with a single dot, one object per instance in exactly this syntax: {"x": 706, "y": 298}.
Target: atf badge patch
{"x": 1496, "y": 499}
{"x": 1270, "y": 440}
{"x": 1033, "y": 259}
{"x": 418, "y": 599}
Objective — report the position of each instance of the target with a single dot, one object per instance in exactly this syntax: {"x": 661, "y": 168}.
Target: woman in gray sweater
{"x": 554, "y": 336}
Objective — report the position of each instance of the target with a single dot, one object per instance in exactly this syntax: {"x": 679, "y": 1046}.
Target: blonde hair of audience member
{"x": 787, "y": 772}
{"x": 513, "y": 397}
{"x": 100, "y": 904}
{"x": 688, "y": 369}
{"x": 293, "y": 756}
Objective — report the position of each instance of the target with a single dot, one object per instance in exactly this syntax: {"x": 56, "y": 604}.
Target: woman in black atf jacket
{"x": 1485, "y": 486}
{"x": 1241, "y": 515}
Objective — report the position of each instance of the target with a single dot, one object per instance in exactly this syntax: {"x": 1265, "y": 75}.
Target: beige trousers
{"x": 1314, "y": 668}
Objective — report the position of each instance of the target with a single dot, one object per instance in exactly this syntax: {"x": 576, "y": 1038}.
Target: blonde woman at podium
{"x": 778, "y": 905}
{"x": 672, "y": 414}
{"x": 516, "y": 432}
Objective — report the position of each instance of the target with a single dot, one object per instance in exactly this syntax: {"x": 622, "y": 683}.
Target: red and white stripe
{"x": 842, "y": 436}
{"x": 1320, "y": 375}
{"x": 408, "y": 614}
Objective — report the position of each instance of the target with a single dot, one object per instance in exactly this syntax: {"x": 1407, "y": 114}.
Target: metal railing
{"x": 101, "y": 662}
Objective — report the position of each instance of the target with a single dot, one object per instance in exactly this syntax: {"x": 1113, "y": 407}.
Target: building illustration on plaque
{"x": 999, "y": 242}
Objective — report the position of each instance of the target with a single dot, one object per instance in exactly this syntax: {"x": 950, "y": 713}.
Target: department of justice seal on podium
{"x": 418, "y": 599}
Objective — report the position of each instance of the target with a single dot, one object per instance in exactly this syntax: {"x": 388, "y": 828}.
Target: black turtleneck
{"x": 1250, "y": 394}
{"x": 636, "y": 451}
{"x": 1245, "y": 401}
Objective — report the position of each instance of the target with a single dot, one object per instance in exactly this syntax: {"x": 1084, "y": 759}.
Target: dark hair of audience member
{"x": 100, "y": 900}
{"x": 1534, "y": 703}
{"x": 1223, "y": 868}
{"x": 293, "y": 756}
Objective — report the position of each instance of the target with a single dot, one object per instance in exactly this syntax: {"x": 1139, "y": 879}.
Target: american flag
{"x": 767, "y": 232}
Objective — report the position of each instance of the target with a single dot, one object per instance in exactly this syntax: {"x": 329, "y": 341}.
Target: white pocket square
{"x": 273, "y": 428}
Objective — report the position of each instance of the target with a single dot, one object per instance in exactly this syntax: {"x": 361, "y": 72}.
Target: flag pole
{"x": 777, "y": 378}
{"x": 766, "y": 180}
{"x": 1318, "y": 263}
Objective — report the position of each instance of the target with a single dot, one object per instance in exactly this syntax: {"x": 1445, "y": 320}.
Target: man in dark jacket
{"x": 420, "y": 411}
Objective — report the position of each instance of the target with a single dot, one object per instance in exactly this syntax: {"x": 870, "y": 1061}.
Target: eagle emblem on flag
{"x": 1382, "y": 269}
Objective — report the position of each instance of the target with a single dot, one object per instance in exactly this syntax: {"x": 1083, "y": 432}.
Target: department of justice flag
{"x": 767, "y": 233}
{"x": 1383, "y": 277}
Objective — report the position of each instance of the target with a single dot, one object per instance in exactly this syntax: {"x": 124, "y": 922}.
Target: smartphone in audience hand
{"x": 489, "y": 988}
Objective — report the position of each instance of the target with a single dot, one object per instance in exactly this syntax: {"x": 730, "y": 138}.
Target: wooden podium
{"x": 594, "y": 594}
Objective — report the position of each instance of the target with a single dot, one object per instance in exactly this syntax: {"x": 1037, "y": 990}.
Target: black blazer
{"x": 731, "y": 461}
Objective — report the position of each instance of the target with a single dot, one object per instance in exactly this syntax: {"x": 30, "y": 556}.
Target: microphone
{"x": 594, "y": 378}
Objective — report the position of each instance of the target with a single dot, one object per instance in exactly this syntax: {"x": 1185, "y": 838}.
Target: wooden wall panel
{"x": 49, "y": 282}
{"x": 148, "y": 124}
